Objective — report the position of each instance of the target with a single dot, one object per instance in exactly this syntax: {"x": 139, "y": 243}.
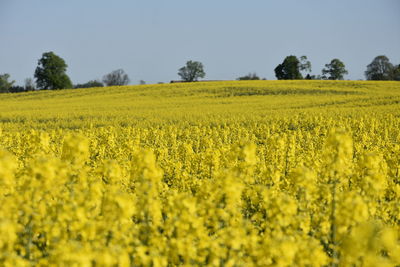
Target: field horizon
{"x": 162, "y": 103}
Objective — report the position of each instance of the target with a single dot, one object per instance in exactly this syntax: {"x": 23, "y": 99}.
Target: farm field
{"x": 235, "y": 173}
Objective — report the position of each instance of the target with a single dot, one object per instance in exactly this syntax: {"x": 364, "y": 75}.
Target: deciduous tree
{"x": 335, "y": 70}
{"x": 116, "y": 78}
{"x": 90, "y": 84}
{"x": 396, "y": 73}
{"x": 291, "y": 68}
{"x": 379, "y": 69}
{"x": 51, "y": 72}
{"x": 5, "y": 84}
{"x": 192, "y": 71}
{"x": 250, "y": 76}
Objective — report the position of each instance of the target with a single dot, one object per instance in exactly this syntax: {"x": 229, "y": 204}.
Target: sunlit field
{"x": 252, "y": 173}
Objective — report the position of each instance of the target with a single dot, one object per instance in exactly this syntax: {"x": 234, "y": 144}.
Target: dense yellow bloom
{"x": 261, "y": 173}
{"x": 8, "y": 166}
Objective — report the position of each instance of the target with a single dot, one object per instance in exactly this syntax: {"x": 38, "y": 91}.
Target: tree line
{"x": 380, "y": 69}
{"x": 50, "y": 73}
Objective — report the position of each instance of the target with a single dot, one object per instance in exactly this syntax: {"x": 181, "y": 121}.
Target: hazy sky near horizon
{"x": 152, "y": 39}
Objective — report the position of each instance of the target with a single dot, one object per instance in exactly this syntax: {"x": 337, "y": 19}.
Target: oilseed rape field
{"x": 239, "y": 173}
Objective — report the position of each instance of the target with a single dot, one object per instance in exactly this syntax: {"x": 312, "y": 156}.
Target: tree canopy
{"x": 396, "y": 73}
{"x": 291, "y": 67}
{"x": 379, "y": 69}
{"x": 250, "y": 76}
{"x": 89, "y": 84}
{"x": 335, "y": 70}
{"x": 5, "y": 84}
{"x": 192, "y": 71}
{"x": 51, "y": 72}
{"x": 116, "y": 78}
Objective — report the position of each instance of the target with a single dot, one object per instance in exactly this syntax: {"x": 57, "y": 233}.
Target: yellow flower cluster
{"x": 301, "y": 188}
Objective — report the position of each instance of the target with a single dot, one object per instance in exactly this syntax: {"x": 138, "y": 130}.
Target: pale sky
{"x": 152, "y": 39}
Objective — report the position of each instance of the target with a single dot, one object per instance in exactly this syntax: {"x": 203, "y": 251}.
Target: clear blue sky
{"x": 152, "y": 39}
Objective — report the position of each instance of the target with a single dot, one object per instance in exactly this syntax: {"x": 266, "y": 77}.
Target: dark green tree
{"x": 17, "y": 89}
{"x": 396, "y": 73}
{"x": 116, "y": 78}
{"x": 334, "y": 70}
{"x": 250, "y": 76}
{"x": 380, "y": 69}
{"x": 291, "y": 68}
{"x": 89, "y": 84}
{"x": 5, "y": 84}
{"x": 51, "y": 72}
{"x": 192, "y": 71}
